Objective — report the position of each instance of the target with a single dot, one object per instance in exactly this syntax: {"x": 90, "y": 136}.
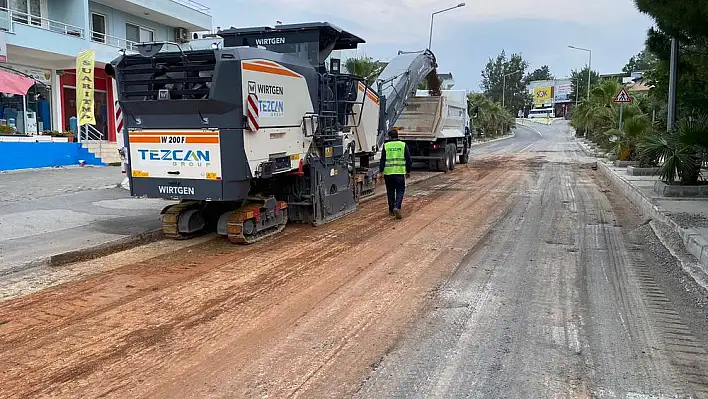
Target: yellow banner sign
{"x": 85, "y": 86}
{"x": 543, "y": 95}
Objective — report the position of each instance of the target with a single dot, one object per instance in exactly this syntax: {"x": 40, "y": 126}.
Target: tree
{"x": 600, "y": 117}
{"x": 542, "y": 73}
{"x": 491, "y": 119}
{"x": 686, "y": 22}
{"x": 644, "y": 61}
{"x": 365, "y": 67}
{"x": 579, "y": 83}
{"x": 682, "y": 19}
{"x": 516, "y": 96}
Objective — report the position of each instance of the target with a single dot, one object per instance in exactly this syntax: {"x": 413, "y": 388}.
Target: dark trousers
{"x": 395, "y": 187}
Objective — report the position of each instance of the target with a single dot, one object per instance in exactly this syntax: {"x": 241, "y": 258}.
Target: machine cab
{"x": 341, "y": 97}
{"x": 313, "y": 42}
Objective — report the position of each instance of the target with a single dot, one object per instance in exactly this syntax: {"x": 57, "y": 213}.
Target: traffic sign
{"x": 622, "y": 97}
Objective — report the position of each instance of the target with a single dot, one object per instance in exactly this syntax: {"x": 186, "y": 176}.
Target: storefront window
{"x": 30, "y": 114}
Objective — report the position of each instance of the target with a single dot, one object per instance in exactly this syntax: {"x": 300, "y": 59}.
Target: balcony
{"x": 33, "y": 34}
{"x": 9, "y": 19}
{"x": 194, "y": 6}
{"x": 186, "y": 14}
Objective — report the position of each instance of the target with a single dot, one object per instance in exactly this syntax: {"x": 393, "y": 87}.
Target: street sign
{"x": 623, "y": 97}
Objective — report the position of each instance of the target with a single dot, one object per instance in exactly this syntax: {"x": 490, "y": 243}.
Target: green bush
{"x": 682, "y": 151}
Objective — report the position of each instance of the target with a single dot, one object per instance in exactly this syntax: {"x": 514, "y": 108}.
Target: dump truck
{"x": 436, "y": 129}
{"x": 256, "y": 132}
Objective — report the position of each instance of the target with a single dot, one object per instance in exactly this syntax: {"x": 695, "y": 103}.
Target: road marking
{"x": 533, "y": 129}
{"x": 526, "y": 148}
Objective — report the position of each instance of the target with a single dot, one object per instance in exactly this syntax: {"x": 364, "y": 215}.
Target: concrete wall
{"x": 187, "y": 13}
{"x": 67, "y": 11}
{"x": 41, "y": 155}
{"x": 116, "y": 20}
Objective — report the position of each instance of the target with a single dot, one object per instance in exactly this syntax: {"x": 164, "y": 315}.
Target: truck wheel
{"x": 451, "y": 153}
{"x": 464, "y": 159}
{"x": 441, "y": 165}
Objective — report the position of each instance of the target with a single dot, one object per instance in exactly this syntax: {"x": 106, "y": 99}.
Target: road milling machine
{"x": 256, "y": 132}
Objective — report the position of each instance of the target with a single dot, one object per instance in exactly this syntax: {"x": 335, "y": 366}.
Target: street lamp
{"x": 432, "y": 18}
{"x": 504, "y": 84}
{"x": 589, "y": 65}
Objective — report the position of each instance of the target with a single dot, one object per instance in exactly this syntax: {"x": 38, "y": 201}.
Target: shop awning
{"x": 11, "y": 83}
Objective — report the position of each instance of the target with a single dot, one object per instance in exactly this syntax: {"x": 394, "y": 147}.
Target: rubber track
{"x": 237, "y": 219}
{"x": 170, "y": 220}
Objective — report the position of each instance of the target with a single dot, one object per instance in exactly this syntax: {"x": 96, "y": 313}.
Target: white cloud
{"x": 408, "y": 21}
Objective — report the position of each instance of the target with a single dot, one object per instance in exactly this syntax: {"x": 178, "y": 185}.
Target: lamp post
{"x": 432, "y": 18}
{"x": 504, "y": 85}
{"x": 589, "y": 65}
{"x": 671, "y": 117}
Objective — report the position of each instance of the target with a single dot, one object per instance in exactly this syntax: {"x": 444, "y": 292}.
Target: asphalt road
{"x": 52, "y": 211}
{"x": 569, "y": 296}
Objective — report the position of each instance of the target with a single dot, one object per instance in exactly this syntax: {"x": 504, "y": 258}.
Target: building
{"x": 634, "y": 82}
{"x": 446, "y": 81}
{"x": 41, "y": 39}
{"x": 552, "y": 94}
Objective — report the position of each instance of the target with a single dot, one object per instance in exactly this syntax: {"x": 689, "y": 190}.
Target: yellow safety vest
{"x": 395, "y": 163}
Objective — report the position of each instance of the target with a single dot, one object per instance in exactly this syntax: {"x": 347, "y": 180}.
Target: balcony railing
{"x": 10, "y": 17}
{"x": 194, "y": 6}
{"x": 113, "y": 41}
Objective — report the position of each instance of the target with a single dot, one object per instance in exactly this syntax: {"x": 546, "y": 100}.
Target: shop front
{"x": 103, "y": 102}
{"x": 28, "y": 112}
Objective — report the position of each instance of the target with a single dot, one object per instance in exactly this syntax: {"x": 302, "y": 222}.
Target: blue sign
{"x": 271, "y": 108}
{"x": 174, "y": 155}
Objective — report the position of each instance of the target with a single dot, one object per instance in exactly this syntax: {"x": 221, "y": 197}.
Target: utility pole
{"x": 589, "y": 71}
{"x": 671, "y": 117}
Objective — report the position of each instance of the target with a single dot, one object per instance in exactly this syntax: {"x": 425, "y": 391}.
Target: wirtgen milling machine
{"x": 257, "y": 132}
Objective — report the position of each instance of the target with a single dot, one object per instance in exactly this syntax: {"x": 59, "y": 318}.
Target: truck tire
{"x": 451, "y": 155}
{"x": 464, "y": 158}
{"x": 441, "y": 165}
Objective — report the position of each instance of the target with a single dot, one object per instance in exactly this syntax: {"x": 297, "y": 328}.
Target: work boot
{"x": 390, "y": 213}
{"x": 397, "y": 213}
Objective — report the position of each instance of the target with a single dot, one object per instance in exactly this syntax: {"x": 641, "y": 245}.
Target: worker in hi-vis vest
{"x": 396, "y": 165}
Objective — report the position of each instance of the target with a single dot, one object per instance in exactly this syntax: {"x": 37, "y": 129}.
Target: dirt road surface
{"x": 519, "y": 275}
{"x": 300, "y": 315}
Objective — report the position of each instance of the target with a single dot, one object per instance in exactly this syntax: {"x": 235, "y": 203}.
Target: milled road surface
{"x": 562, "y": 299}
{"x": 517, "y": 276}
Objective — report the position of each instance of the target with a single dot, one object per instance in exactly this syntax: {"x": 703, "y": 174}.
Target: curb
{"x": 694, "y": 241}
{"x": 89, "y": 253}
{"x": 125, "y": 243}
{"x": 589, "y": 151}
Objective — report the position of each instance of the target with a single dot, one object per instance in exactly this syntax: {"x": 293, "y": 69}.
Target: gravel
{"x": 688, "y": 220}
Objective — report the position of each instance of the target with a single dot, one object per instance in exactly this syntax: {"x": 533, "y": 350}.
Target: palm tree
{"x": 365, "y": 67}
{"x": 599, "y": 117}
{"x": 683, "y": 151}
{"x": 492, "y": 119}
{"x": 635, "y": 127}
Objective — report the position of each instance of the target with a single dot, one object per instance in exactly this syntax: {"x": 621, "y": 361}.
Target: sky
{"x": 465, "y": 38}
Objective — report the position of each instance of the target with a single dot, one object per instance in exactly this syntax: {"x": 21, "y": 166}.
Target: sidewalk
{"x": 47, "y": 214}
{"x": 50, "y": 217}
{"x": 688, "y": 217}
